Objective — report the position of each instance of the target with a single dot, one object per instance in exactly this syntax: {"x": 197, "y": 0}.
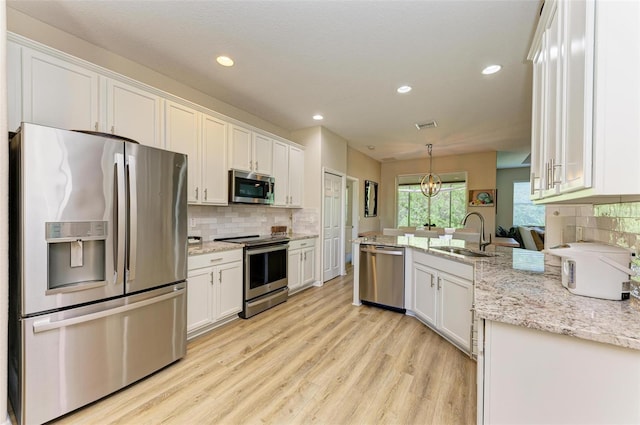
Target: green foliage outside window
{"x": 525, "y": 212}
{"x": 447, "y": 208}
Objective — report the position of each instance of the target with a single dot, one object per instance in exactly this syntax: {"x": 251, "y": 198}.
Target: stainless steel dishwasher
{"x": 382, "y": 276}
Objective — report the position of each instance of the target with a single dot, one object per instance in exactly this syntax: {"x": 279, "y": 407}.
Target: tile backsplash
{"x": 213, "y": 222}
{"x": 614, "y": 224}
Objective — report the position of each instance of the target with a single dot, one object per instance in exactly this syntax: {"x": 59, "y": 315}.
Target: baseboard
{"x": 318, "y": 283}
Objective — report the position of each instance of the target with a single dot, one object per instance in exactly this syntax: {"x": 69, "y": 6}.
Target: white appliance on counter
{"x": 98, "y": 266}
{"x": 595, "y": 270}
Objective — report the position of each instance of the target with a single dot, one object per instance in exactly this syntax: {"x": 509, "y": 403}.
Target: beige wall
{"x": 334, "y": 151}
{"x": 26, "y": 26}
{"x": 363, "y": 168}
{"x": 481, "y": 174}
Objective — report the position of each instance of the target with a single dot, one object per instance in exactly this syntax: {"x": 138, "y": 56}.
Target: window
{"x": 525, "y": 213}
{"x": 447, "y": 208}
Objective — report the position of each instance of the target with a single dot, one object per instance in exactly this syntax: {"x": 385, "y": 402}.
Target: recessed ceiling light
{"x": 318, "y": 117}
{"x": 371, "y": 147}
{"x": 491, "y": 69}
{"x": 224, "y": 60}
{"x": 404, "y": 89}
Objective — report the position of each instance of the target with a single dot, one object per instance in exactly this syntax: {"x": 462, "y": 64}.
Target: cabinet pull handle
{"x": 432, "y": 281}
{"x": 250, "y": 165}
{"x": 95, "y": 126}
{"x": 439, "y": 283}
{"x": 113, "y": 130}
{"x": 305, "y": 256}
{"x": 205, "y": 194}
{"x": 256, "y": 165}
{"x": 553, "y": 172}
{"x": 303, "y": 244}
{"x": 214, "y": 260}
{"x": 211, "y": 277}
{"x": 220, "y": 275}
{"x": 533, "y": 183}
{"x": 196, "y": 193}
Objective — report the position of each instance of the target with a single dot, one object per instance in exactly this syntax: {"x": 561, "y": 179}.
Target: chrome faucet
{"x": 483, "y": 243}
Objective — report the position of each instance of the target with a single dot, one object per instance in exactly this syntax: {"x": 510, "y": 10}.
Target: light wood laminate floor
{"x": 314, "y": 359}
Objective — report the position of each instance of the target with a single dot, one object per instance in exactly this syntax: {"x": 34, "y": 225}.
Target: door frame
{"x": 342, "y": 176}
{"x": 355, "y": 212}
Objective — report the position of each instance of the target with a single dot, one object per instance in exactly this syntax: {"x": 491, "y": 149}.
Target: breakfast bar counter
{"x": 523, "y": 288}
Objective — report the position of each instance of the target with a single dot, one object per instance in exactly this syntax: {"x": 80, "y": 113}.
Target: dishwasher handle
{"x": 382, "y": 250}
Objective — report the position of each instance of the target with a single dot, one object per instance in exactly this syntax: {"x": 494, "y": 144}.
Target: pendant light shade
{"x": 430, "y": 183}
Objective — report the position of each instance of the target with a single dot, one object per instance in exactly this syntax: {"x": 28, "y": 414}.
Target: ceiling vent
{"x": 430, "y": 124}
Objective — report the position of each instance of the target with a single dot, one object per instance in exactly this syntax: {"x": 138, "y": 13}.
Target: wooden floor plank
{"x": 314, "y": 359}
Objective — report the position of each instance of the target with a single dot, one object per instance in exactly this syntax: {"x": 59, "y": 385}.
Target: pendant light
{"x": 430, "y": 183}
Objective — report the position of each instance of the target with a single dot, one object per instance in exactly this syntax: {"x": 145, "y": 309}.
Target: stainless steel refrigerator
{"x": 97, "y": 271}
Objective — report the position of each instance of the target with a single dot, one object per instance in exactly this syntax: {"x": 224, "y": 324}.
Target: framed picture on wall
{"x": 370, "y": 198}
{"x": 482, "y": 198}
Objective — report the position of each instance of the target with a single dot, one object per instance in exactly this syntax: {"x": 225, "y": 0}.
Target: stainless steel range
{"x": 265, "y": 272}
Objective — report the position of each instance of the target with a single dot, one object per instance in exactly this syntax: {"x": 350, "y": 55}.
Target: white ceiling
{"x": 343, "y": 59}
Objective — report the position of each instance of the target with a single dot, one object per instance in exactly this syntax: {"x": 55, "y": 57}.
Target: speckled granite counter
{"x": 209, "y": 247}
{"x": 517, "y": 287}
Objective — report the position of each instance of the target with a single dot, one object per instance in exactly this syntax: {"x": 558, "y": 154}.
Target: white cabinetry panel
{"x": 214, "y": 161}
{"x": 58, "y": 93}
{"x": 134, "y": 113}
{"x": 181, "y": 135}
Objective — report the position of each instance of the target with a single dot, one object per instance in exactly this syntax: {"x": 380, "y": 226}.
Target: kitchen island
{"x": 544, "y": 355}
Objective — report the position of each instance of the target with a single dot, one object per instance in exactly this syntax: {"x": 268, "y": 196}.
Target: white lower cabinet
{"x": 527, "y": 376}
{"x": 301, "y": 266}
{"x": 214, "y": 290}
{"x": 443, "y": 299}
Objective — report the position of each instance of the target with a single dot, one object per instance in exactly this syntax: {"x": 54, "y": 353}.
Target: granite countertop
{"x": 212, "y": 246}
{"x": 524, "y": 288}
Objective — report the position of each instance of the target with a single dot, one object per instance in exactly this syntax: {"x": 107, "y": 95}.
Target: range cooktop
{"x": 252, "y": 240}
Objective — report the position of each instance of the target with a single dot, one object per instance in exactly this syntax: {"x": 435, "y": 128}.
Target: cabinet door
{"x": 58, "y": 93}
{"x": 552, "y": 149}
{"x": 537, "y": 125}
{"x": 182, "y": 136}
{"x": 262, "y": 154}
{"x": 296, "y": 176}
{"x": 230, "y": 289}
{"x": 294, "y": 268}
{"x": 425, "y": 293}
{"x": 240, "y": 149}
{"x": 308, "y": 265}
{"x": 133, "y": 113}
{"x": 199, "y": 298}
{"x": 14, "y": 86}
{"x": 214, "y": 161}
{"x": 454, "y": 309}
{"x": 281, "y": 173}
{"x": 578, "y": 55}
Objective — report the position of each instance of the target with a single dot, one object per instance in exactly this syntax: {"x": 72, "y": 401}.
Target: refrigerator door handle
{"x": 120, "y": 219}
{"x": 133, "y": 218}
{"x": 46, "y": 324}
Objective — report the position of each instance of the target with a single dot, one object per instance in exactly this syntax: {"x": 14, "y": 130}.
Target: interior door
{"x": 332, "y": 225}
{"x": 157, "y": 243}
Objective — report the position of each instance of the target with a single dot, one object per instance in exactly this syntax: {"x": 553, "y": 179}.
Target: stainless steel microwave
{"x": 250, "y": 188}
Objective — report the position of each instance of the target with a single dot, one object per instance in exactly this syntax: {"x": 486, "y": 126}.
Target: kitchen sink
{"x": 464, "y": 252}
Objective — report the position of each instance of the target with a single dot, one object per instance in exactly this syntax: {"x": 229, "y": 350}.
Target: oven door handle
{"x": 270, "y": 248}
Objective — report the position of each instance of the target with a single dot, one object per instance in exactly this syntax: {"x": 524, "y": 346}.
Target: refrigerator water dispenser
{"x": 76, "y": 253}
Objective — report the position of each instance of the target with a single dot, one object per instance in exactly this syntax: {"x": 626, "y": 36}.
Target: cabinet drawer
{"x": 302, "y": 243}
{"x": 213, "y": 259}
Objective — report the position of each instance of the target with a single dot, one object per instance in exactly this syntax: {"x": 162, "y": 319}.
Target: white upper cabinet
{"x": 288, "y": 161}
{"x": 57, "y": 93}
{"x": 214, "y": 161}
{"x": 586, "y": 100}
{"x": 182, "y": 135}
{"x": 14, "y": 86}
{"x": 250, "y": 151}
{"x": 134, "y": 113}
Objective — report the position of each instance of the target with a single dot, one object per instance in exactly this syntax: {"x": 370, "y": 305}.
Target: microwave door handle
{"x": 133, "y": 218}
{"x": 119, "y": 219}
